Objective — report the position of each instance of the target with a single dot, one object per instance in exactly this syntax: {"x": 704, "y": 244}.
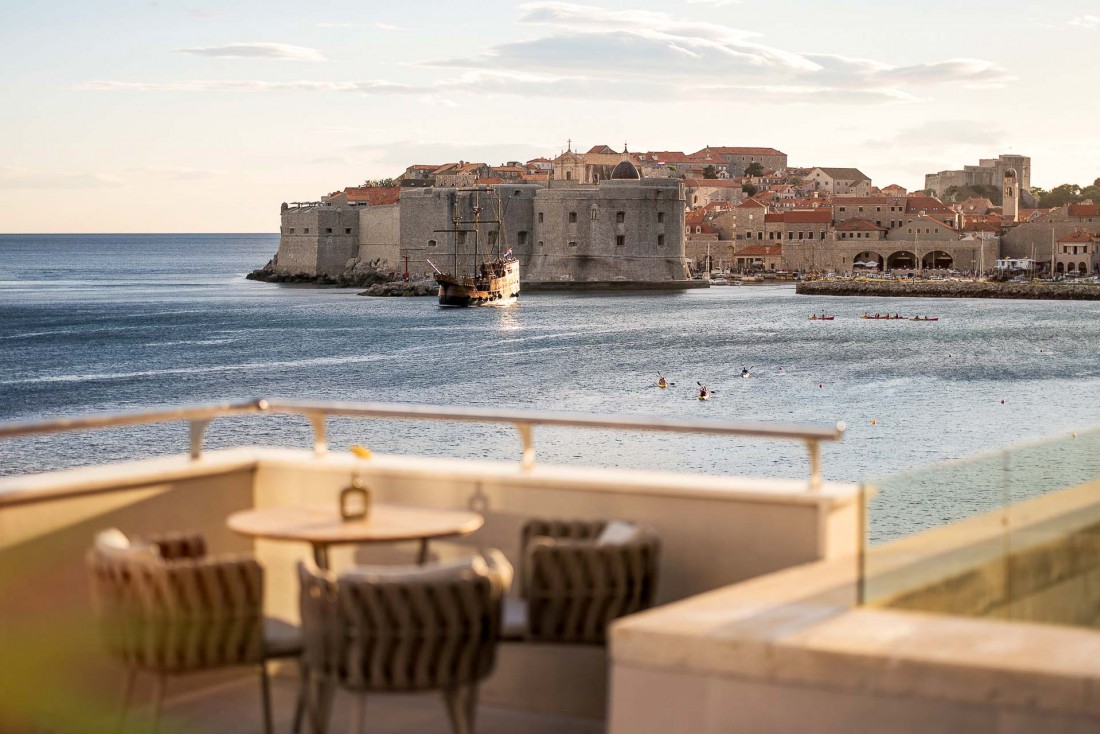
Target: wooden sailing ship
{"x": 492, "y": 279}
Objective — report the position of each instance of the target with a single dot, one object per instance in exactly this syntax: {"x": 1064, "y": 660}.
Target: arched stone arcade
{"x": 937, "y": 260}
{"x": 901, "y": 260}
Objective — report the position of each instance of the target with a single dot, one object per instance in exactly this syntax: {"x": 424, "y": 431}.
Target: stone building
{"x": 841, "y": 181}
{"x": 319, "y": 238}
{"x": 988, "y": 172}
{"x": 704, "y": 191}
{"x": 1036, "y": 239}
{"x": 622, "y": 229}
{"x": 1076, "y": 254}
{"x": 587, "y": 168}
{"x": 796, "y": 225}
{"x": 734, "y": 160}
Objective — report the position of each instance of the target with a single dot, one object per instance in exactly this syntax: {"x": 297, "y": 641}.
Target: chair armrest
{"x": 178, "y": 546}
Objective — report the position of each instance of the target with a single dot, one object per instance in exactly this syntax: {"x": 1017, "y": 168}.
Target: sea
{"x": 104, "y": 323}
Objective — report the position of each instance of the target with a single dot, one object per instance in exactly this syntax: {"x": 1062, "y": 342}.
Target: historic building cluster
{"x": 605, "y": 215}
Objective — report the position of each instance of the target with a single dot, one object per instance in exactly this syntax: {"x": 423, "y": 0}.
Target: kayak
{"x": 917, "y": 318}
{"x": 822, "y": 318}
{"x": 704, "y": 397}
{"x": 662, "y": 384}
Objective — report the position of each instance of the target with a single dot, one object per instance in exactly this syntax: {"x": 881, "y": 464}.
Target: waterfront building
{"x": 1076, "y": 254}
{"x": 705, "y": 191}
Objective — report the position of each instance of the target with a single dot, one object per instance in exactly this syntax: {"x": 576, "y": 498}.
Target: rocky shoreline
{"x": 357, "y": 273}
{"x": 950, "y": 289}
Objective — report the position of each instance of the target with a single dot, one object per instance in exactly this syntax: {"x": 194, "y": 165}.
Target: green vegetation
{"x": 1067, "y": 194}
{"x": 749, "y": 189}
{"x": 755, "y": 169}
{"x": 956, "y": 194}
{"x": 710, "y": 172}
{"x": 371, "y": 183}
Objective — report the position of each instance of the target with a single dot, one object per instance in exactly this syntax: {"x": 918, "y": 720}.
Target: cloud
{"x": 592, "y": 43}
{"x": 279, "y": 51}
{"x": 230, "y": 85}
{"x": 944, "y": 134}
{"x": 17, "y": 177}
{"x": 349, "y": 24}
{"x": 1086, "y": 21}
{"x": 715, "y": 3}
{"x": 403, "y": 152}
{"x": 587, "y": 52}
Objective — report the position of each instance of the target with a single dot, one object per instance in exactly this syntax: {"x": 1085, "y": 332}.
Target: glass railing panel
{"x": 1011, "y": 535}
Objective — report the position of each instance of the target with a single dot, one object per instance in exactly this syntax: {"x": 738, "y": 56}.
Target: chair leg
{"x": 127, "y": 693}
{"x": 456, "y": 710}
{"x": 158, "y": 701}
{"x": 303, "y": 696}
{"x": 359, "y": 714}
{"x": 265, "y": 693}
{"x": 320, "y": 694}
{"x": 471, "y": 707}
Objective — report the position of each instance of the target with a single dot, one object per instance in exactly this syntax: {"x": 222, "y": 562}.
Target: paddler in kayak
{"x": 662, "y": 382}
{"x": 744, "y": 372}
{"x": 704, "y": 393}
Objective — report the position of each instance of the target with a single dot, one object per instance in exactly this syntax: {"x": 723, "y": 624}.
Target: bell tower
{"x": 1010, "y": 197}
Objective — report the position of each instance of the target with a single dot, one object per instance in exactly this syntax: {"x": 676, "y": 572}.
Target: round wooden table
{"x": 386, "y": 524}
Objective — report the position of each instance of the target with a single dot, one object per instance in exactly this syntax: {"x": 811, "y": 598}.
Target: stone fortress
{"x": 617, "y": 232}
{"x": 610, "y": 220}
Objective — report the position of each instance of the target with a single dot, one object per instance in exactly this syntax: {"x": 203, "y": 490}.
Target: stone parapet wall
{"x": 950, "y": 289}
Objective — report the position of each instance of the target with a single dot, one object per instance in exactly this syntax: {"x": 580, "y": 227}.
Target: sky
{"x": 159, "y": 116}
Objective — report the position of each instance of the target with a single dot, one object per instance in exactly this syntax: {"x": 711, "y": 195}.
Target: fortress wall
{"x": 380, "y": 233}
{"x": 423, "y": 211}
{"x": 588, "y": 249}
{"x": 317, "y": 240}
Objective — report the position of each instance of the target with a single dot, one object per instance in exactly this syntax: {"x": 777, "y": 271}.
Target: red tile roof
{"x": 714, "y": 183}
{"x": 1078, "y": 236}
{"x": 373, "y": 195}
{"x": 751, "y": 204}
{"x": 808, "y": 216}
{"x": 1084, "y": 210}
{"x": 859, "y": 225}
{"x": 728, "y": 150}
{"x": 920, "y": 202}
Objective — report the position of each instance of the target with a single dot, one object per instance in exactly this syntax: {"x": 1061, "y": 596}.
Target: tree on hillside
{"x": 710, "y": 172}
{"x": 756, "y": 168}
{"x": 1060, "y": 196}
{"x": 370, "y": 183}
{"x": 749, "y": 189}
{"x": 956, "y": 194}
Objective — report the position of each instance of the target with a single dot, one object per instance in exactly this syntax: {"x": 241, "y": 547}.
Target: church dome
{"x": 625, "y": 171}
{"x": 1010, "y": 173}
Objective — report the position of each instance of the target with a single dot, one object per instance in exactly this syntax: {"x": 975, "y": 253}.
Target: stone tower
{"x": 1010, "y": 197}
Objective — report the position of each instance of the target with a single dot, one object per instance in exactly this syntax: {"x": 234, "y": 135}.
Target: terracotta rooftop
{"x": 859, "y": 225}
{"x": 734, "y": 150}
{"x": 751, "y": 204}
{"x": 373, "y": 195}
{"x": 1084, "y": 210}
{"x": 802, "y": 216}
{"x": 717, "y": 183}
{"x": 1078, "y": 236}
{"x": 920, "y": 202}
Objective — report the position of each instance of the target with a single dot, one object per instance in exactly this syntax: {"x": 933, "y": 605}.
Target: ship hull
{"x": 497, "y": 286}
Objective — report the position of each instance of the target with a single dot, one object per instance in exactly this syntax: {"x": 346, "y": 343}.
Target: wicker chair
{"x": 403, "y": 629}
{"x": 166, "y": 608}
{"x": 578, "y": 576}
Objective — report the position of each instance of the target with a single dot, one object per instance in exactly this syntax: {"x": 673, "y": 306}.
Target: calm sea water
{"x": 119, "y": 322}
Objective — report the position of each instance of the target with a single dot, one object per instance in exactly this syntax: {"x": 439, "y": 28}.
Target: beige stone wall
{"x": 380, "y": 233}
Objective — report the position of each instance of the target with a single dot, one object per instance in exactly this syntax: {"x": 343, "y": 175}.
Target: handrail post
{"x": 815, "y": 464}
{"x": 320, "y": 443}
{"x": 197, "y": 429}
{"x": 527, "y": 437}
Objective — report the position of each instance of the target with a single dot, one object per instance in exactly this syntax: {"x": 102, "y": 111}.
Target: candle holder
{"x": 355, "y": 502}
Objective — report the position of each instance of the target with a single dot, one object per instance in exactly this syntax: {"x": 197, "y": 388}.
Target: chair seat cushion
{"x": 513, "y": 622}
{"x": 281, "y": 639}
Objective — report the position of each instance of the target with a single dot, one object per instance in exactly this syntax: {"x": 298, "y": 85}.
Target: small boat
{"x": 822, "y": 317}
{"x": 662, "y": 383}
{"x": 925, "y": 318}
{"x": 881, "y": 317}
{"x": 704, "y": 396}
{"x": 704, "y": 392}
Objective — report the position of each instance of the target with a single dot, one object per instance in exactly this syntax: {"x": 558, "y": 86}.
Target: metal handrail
{"x": 200, "y": 416}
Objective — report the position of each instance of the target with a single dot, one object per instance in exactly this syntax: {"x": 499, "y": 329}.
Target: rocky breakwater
{"x": 950, "y": 289}
{"x": 357, "y": 273}
{"x": 402, "y": 288}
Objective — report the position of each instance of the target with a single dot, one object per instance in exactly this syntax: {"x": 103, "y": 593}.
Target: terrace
{"x": 772, "y": 611}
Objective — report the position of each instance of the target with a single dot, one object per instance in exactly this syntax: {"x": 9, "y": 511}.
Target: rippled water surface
{"x": 117, "y": 322}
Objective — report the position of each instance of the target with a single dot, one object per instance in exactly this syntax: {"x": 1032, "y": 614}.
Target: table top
{"x": 386, "y": 523}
